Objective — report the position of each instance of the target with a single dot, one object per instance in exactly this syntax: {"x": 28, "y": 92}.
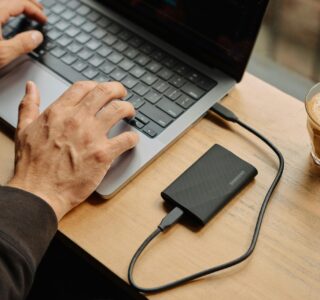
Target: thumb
{"x": 20, "y": 44}
{"x": 29, "y": 107}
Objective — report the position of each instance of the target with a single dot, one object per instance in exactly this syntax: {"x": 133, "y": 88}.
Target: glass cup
{"x": 312, "y": 103}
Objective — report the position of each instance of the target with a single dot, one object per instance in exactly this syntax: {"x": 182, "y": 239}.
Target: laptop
{"x": 175, "y": 57}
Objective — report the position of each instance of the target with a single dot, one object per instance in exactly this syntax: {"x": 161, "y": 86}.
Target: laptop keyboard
{"x": 82, "y": 44}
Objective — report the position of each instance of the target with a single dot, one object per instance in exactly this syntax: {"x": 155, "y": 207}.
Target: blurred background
{"x": 287, "y": 53}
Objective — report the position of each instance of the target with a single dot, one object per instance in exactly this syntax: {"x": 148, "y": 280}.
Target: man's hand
{"x": 63, "y": 154}
{"x": 24, "y": 42}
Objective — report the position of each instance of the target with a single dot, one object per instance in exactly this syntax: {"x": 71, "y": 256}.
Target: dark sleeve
{"x": 27, "y": 225}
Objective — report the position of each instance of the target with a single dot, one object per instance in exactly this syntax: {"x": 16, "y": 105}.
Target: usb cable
{"x": 174, "y": 216}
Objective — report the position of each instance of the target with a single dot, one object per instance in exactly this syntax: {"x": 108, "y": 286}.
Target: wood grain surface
{"x": 286, "y": 263}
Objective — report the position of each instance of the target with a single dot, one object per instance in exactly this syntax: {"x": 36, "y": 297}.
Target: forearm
{"x": 27, "y": 225}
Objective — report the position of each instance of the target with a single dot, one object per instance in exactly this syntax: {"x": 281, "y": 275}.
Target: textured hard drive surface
{"x": 203, "y": 189}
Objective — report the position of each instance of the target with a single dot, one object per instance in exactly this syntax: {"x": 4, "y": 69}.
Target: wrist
{"x": 54, "y": 201}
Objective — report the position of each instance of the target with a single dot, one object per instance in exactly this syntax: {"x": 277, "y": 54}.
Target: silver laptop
{"x": 175, "y": 57}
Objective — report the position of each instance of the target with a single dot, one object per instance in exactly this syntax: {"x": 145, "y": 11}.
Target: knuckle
{"x": 122, "y": 108}
{"x": 71, "y": 123}
{"x": 101, "y": 156}
{"x": 23, "y": 104}
{"x": 4, "y": 55}
{"x": 129, "y": 139}
{"x": 50, "y": 114}
{"x": 83, "y": 85}
{"x": 104, "y": 88}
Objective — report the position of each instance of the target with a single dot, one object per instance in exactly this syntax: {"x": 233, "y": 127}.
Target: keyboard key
{"x": 96, "y": 60}
{"x": 73, "y": 4}
{"x": 94, "y": 16}
{"x": 74, "y": 47}
{"x": 120, "y": 46}
{"x": 149, "y": 78}
{"x": 83, "y": 38}
{"x": 126, "y": 64}
{"x": 104, "y": 51}
{"x": 147, "y": 48}
{"x": 173, "y": 93}
{"x": 170, "y": 62}
{"x": 99, "y": 33}
{"x": 68, "y": 14}
{"x": 114, "y": 28}
{"x": 53, "y": 19}
{"x": 72, "y": 31}
{"x": 131, "y": 53}
{"x": 48, "y": 3}
{"x": 57, "y": 9}
{"x": 64, "y": 41}
{"x": 69, "y": 59}
{"x": 104, "y": 22}
{"x": 85, "y": 54}
{"x": 58, "y": 52}
{"x": 152, "y": 129}
{"x": 193, "y": 91}
{"x": 141, "y": 89}
{"x": 107, "y": 67}
{"x": 142, "y": 118}
{"x": 88, "y": 27}
{"x": 93, "y": 44}
{"x": 158, "y": 55}
{"x": 137, "y": 71}
{"x": 78, "y": 21}
{"x": 79, "y": 66}
{"x": 115, "y": 57}
{"x": 102, "y": 78}
{"x": 161, "y": 86}
{"x": 156, "y": 115}
{"x": 136, "y": 123}
{"x": 149, "y": 131}
{"x": 136, "y": 101}
{"x": 142, "y": 59}
{"x": 165, "y": 74}
{"x": 170, "y": 108}
{"x": 83, "y": 10}
{"x": 118, "y": 74}
{"x": 185, "y": 101}
{"x": 206, "y": 83}
{"x": 129, "y": 82}
{"x": 125, "y": 35}
{"x": 90, "y": 73}
{"x": 47, "y": 45}
{"x": 178, "y": 81}
{"x": 62, "y": 25}
{"x": 153, "y": 97}
{"x": 182, "y": 69}
{"x": 110, "y": 39}
{"x": 136, "y": 42}
{"x": 154, "y": 67}
{"x": 193, "y": 76}
{"x": 54, "y": 34}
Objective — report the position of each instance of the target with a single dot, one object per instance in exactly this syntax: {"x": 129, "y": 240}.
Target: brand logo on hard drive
{"x": 237, "y": 178}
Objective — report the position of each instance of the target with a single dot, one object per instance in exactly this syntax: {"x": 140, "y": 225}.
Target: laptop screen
{"x": 220, "y": 33}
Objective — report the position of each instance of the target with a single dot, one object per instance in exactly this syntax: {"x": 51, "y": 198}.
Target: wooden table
{"x": 286, "y": 263}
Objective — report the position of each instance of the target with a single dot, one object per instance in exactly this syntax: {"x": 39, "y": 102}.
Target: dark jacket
{"x": 27, "y": 225}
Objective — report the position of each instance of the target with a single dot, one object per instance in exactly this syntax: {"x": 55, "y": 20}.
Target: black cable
{"x": 176, "y": 214}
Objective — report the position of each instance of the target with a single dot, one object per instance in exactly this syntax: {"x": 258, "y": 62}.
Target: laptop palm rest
{"x": 12, "y": 90}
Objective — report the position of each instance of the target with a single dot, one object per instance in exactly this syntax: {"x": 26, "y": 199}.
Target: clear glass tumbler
{"x": 312, "y": 103}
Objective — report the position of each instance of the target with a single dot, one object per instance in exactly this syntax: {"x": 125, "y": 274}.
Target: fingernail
{"x": 36, "y": 37}
{"x": 29, "y": 87}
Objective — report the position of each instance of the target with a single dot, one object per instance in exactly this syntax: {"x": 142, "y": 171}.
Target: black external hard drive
{"x": 209, "y": 184}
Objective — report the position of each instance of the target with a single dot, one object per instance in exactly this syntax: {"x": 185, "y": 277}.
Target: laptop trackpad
{"x": 12, "y": 88}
